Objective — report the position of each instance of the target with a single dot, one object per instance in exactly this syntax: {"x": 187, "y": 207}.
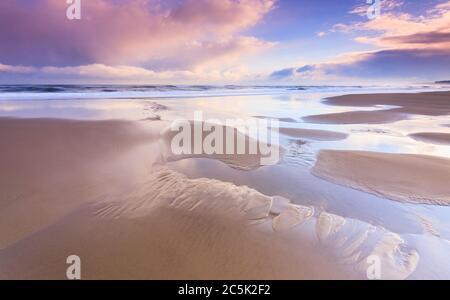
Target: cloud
{"x": 382, "y": 65}
{"x": 385, "y": 6}
{"x": 401, "y": 30}
{"x": 16, "y": 69}
{"x": 100, "y": 73}
{"x": 305, "y": 69}
{"x": 407, "y": 47}
{"x": 303, "y": 72}
{"x": 209, "y": 54}
{"x": 179, "y": 35}
{"x": 398, "y": 63}
{"x": 284, "y": 73}
{"x": 426, "y": 38}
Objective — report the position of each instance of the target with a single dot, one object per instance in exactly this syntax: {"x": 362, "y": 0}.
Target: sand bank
{"x": 245, "y": 153}
{"x": 314, "y": 134}
{"x": 430, "y": 104}
{"x": 357, "y": 117}
{"x": 439, "y": 138}
{"x": 401, "y": 177}
{"x": 286, "y": 120}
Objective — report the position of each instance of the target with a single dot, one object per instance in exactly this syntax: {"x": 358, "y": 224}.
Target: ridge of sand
{"x": 286, "y": 120}
{"x": 314, "y": 134}
{"x": 249, "y": 160}
{"x": 440, "y": 138}
{"x": 172, "y": 227}
{"x": 44, "y": 158}
{"x": 357, "y": 117}
{"x": 430, "y": 104}
{"x": 401, "y": 177}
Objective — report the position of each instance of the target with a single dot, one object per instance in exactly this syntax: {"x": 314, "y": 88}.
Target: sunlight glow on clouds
{"x": 188, "y": 36}
{"x": 223, "y": 41}
{"x": 409, "y": 46}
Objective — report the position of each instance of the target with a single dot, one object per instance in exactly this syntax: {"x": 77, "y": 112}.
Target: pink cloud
{"x": 406, "y": 46}
{"x": 100, "y": 73}
{"x": 395, "y": 30}
{"x": 130, "y": 32}
{"x": 16, "y": 69}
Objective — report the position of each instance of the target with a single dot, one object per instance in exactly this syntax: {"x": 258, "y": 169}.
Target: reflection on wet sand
{"x": 112, "y": 185}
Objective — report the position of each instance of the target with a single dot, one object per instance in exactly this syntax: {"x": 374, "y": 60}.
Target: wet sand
{"x": 357, "y": 117}
{"x": 50, "y": 167}
{"x": 240, "y": 143}
{"x": 314, "y": 134}
{"x": 429, "y": 104}
{"x": 286, "y": 120}
{"x": 102, "y": 191}
{"x": 439, "y": 138}
{"x": 401, "y": 177}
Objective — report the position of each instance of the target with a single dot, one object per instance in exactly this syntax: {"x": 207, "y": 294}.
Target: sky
{"x": 225, "y": 42}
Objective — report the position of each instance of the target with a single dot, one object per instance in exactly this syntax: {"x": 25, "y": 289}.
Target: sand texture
{"x": 429, "y": 104}
{"x": 439, "y": 138}
{"x": 401, "y": 177}
{"x": 102, "y": 191}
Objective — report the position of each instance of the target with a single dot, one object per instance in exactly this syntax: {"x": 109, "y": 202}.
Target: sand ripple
{"x": 350, "y": 241}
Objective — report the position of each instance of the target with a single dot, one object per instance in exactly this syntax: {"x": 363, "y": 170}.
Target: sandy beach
{"x": 108, "y": 191}
{"x": 432, "y": 137}
{"x": 436, "y": 104}
{"x": 402, "y": 177}
{"x": 358, "y": 117}
{"x": 100, "y": 190}
{"x": 314, "y": 134}
{"x": 430, "y": 104}
{"x": 224, "y": 140}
